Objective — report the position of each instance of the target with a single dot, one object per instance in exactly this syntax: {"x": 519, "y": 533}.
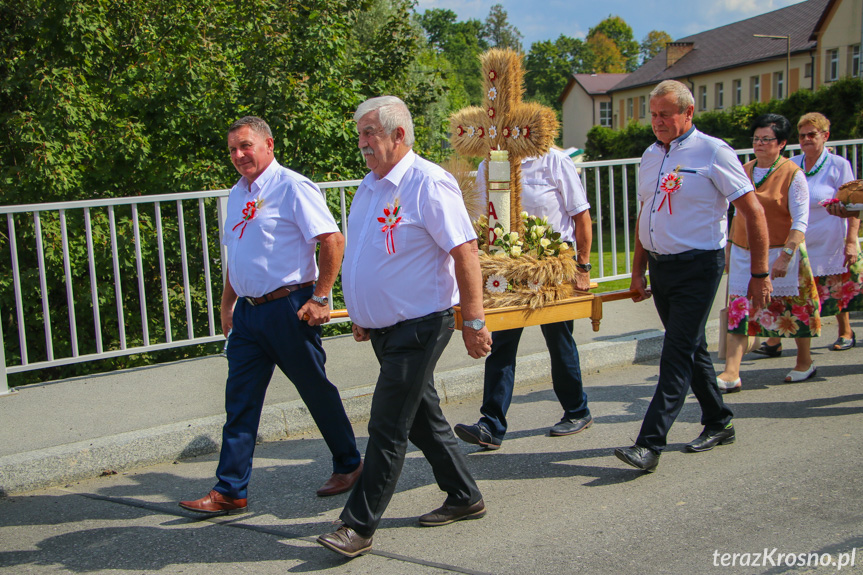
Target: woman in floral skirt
{"x": 832, "y": 243}
{"x": 793, "y": 312}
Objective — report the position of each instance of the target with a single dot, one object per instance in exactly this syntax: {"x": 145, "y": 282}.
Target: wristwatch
{"x": 788, "y": 251}
{"x": 474, "y": 324}
{"x": 584, "y": 267}
{"x": 321, "y": 300}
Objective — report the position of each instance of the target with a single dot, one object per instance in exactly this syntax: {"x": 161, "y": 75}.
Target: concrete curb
{"x": 83, "y": 460}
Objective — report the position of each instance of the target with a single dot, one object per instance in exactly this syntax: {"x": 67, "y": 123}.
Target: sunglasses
{"x": 809, "y": 135}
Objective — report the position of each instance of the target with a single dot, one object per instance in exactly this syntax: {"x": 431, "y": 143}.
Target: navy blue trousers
{"x": 683, "y": 292}
{"x": 405, "y": 406}
{"x": 264, "y": 336}
{"x": 500, "y": 375}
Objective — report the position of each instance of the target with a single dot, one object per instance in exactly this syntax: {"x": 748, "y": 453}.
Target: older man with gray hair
{"x": 683, "y": 247}
{"x": 411, "y": 256}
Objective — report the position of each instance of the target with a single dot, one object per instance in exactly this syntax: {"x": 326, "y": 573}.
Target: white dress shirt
{"x": 711, "y": 177}
{"x": 551, "y": 188}
{"x": 418, "y": 278}
{"x": 277, "y": 246}
{"x": 825, "y": 236}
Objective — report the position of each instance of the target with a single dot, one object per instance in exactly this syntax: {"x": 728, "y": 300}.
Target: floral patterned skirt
{"x": 841, "y": 292}
{"x": 786, "y": 316}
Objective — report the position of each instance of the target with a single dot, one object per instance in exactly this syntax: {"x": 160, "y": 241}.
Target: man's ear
{"x": 399, "y": 135}
{"x": 271, "y": 145}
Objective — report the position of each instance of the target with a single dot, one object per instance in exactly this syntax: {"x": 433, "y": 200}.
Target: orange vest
{"x": 773, "y": 196}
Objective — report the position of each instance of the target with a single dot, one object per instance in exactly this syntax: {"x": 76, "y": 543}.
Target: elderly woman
{"x": 831, "y": 243}
{"x": 780, "y": 186}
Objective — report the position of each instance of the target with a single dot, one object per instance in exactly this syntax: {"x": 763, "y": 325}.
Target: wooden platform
{"x": 583, "y": 305}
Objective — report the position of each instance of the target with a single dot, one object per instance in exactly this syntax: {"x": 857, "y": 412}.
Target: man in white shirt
{"x": 411, "y": 255}
{"x": 551, "y": 188}
{"x": 272, "y": 310}
{"x": 686, "y": 181}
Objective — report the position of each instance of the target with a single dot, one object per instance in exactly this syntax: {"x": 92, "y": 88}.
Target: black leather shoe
{"x": 639, "y": 457}
{"x": 477, "y": 435}
{"x": 346, "y": 541}
{"x": 449, "y": 514}
{"x": 710, "y": 439}
{"x": 571, "y": 426}
{"x": 769, "y": 350}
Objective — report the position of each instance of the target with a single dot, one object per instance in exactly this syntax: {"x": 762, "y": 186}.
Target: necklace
{"x": 816, "y": 169}
{"x": 769, "y": 171}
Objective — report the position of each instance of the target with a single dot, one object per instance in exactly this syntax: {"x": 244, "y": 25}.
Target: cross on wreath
{"x": 524, "y": 129}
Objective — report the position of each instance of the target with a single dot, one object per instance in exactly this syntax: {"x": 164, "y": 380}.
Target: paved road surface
{"x": 792, "y": 482}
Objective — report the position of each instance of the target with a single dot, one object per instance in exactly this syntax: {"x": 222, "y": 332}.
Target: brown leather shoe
{"x": 340, "y": 482}
{"x": 448, "y": 514}
{"x": 216, "y": 504}
{"x": 346, "y": 541}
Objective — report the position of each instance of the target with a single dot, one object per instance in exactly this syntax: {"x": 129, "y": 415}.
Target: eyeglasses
{"x": 810, "y": 135}
{"x": 757, "y": 140}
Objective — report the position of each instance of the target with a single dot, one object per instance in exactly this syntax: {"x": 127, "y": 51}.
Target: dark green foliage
{"x": 111, "y": 98}
{"x": 607, "y": 144}
{"x": 459, "y": 44}
{"x": 549, "y": 66}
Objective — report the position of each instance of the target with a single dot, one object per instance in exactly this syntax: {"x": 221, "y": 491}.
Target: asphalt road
{"x": 792, "y": 483}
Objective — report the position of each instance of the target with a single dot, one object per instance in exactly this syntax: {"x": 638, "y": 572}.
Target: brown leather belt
{"x": 283, "y": 291}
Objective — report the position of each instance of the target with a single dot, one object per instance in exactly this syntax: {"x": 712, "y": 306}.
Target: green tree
{"x": 498, "y": 32}
{"x": 460, "y": 44}
{"x": 653, "y": 43}
{"x": 619, "y": 32}
{"x": 549, "y": 65}
{"x": 606, "y": 56}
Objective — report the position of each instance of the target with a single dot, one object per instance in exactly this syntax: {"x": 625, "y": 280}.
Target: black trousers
{"x": 405, "y": 406}
{"x": 265, "y": 336}
{"x": 683, "y": 292}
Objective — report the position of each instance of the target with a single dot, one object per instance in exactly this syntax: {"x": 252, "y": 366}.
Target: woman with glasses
{"x": 793, "y": 311}
{"x": 831, "y": 242}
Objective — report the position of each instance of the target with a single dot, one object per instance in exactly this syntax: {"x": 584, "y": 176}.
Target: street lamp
{"x": 787, "y": 59}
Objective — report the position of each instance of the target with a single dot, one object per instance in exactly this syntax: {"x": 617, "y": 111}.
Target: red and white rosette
{"x": 249, "y": 213}
{"x": 390, "y": 219}
{"x": 669, "y": 184}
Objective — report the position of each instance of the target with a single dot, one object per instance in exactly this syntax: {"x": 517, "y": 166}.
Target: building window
{"x": 779, "y": 84}
{"x": 605, "y": 114}
{"x": 754, "y": 89}
{"x": 738, "y": 92}
{"x": 629, "y": 110}
{"x": 854, "y": 60}
{"x": 719, "y": 96}
{"x": 702, "y": 97}
{"x": 643, "y": 107}
{"x": 807, "y": 70}
{"x": 832, "y": 65}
